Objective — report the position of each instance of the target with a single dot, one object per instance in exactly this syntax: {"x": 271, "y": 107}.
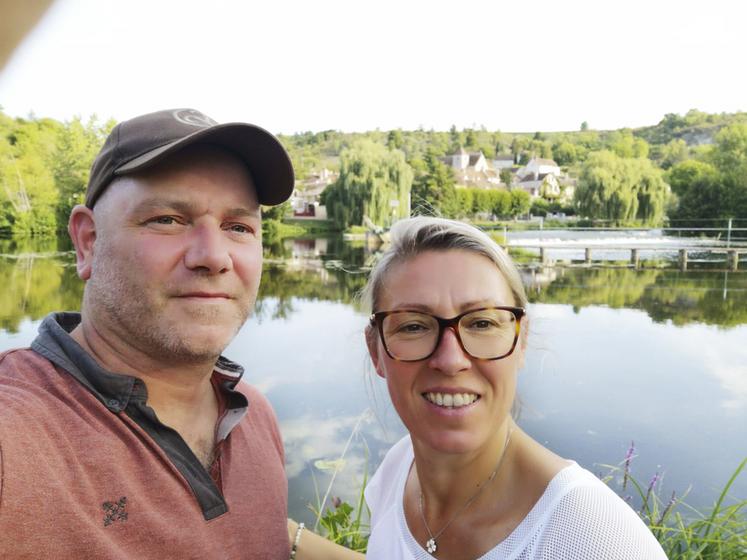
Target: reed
{"x": 684, "y": 532}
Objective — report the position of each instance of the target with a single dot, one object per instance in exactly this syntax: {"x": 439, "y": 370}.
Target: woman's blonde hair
{"x": 413, "y": 236}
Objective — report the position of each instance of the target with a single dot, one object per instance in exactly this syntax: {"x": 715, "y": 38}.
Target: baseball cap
{"x": 139, "y": 143}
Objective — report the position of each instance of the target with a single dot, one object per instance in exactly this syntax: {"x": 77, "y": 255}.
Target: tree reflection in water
{"x": 38, "y": 276}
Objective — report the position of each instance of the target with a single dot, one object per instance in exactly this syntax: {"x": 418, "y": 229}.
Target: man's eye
{"x": 165, "y": 220}
{"x": 239, "y": 228}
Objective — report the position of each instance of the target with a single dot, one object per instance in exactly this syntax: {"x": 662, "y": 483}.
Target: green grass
{"x": 312, "y": 226}
{"x": 720, "y": 533}
{"x": 688, "y": 534}
{"x": 343, "y": 523}
{"x": 356, "y": 229}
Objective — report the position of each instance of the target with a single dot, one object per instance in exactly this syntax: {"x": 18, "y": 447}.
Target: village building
{"x": 305, "y": 198}
{"x": 539, "y": 168}
{"x": 472, "y": 169}
{"x": 503, "y": 161}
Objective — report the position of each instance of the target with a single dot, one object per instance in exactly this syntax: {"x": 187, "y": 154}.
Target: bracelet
{"x": 294, "y": 548}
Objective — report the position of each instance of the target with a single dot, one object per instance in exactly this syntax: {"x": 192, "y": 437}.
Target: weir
{"x": 732, "y": 254}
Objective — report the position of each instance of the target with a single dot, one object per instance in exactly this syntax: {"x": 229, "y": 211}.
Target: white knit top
{"x": 577, "y": 517}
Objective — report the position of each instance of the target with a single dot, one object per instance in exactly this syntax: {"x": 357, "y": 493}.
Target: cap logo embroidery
{"x": 193, "y": 118}
{"x": 115, "y": 511}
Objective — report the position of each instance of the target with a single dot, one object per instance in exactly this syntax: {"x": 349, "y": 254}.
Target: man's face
{"x": 177, "y": 257}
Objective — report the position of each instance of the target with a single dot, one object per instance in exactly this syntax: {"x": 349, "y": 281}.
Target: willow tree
{"x": 621, "y": 189}
{"x": 374, "y": 182}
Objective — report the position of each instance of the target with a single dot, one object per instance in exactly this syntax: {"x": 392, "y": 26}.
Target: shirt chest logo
{"x": 115, "y": 511}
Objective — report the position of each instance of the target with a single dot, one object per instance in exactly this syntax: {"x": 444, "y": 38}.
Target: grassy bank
{"x": 685, "y": 533}
{"x": 311, "y": 227}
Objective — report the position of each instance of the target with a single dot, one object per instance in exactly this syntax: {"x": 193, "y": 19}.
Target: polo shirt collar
{"x": 114, "y": 390}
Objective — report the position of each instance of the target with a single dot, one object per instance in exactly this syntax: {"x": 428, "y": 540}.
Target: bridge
{"x": 731, "y": 253}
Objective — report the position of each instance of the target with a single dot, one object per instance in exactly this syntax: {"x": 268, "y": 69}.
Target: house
{"x": 471, "y": 169}
{"x": 484, "y": 179}
{"x": 503, "y": 161}
{"x": 305, "y": 198}
{"x": 462, "y": 160}
{"x": 539, "y": 167}
{"x": 546, "y": 186}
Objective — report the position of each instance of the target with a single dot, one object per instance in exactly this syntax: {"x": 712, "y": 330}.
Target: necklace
{"x": 431, "y": 545}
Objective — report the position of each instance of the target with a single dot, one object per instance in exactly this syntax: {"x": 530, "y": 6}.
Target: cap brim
{"x": 264, "y": 155}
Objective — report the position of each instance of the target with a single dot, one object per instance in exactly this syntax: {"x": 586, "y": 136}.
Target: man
{"x": 123, "y": 431}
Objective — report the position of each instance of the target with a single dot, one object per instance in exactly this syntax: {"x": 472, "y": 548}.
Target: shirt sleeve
{"x": 592, "y": 523}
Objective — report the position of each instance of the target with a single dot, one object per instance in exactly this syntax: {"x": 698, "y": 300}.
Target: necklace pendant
{"x": 431, "y": 546}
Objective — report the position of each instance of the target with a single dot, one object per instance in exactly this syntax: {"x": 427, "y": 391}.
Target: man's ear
{"x": 372, "y": 341}
{"x": 82, "y": 230}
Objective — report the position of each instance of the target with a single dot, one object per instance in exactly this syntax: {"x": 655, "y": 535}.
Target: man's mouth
{"x": 205, "y": 295}
{"x": 451, "y": 400}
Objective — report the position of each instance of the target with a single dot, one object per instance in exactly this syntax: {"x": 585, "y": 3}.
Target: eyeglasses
{"x": 489, "y": 333}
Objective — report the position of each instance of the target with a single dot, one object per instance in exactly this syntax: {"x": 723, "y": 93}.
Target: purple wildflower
{"x": 652, "y": 485}
{"x": 628, "y": 459}
{"x": 336, "y": 501}
{"x": 664, "y": 513}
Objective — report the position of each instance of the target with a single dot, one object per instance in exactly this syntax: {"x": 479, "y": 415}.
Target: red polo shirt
{"x": 88, "y": 471}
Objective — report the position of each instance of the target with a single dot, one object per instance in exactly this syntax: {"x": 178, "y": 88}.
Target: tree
{"x": 482, "y": 202}
{"x": 77, "y": 146}
{"x": 502, "y": 203}
{"x": 625, "y": 145}
{"x": 506, "y": 176}
{"x": 540, "y": 148}
{"x": 28, "y": 194}
{"x": 621, "y": 189}
{"x": 434, "y": 191}
{"x": 715, "y": 188}
{"x": 464, "y": 201}
{"x": 584, "y": 126}
{"x": 520, "y": 202}
{"x": 564, "y": 153}
{"x": 456, "y": 139}
{"x": 519, "y": 145}
{"x": 394, "y": 140}
{"x": 374, "y": 182}
{"x": 673, "y": 152}
{"x": 701, "y": 193}
{"x": 470, "y": 139}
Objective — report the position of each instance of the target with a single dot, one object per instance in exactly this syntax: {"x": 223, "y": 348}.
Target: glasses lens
{"x": 409, "y": 335}
{"x": 488, "y": 333}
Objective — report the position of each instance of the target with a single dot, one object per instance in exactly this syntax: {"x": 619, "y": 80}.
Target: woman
{"x": 448, "y": 334}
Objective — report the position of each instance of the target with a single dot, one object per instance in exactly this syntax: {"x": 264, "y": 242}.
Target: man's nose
{"x": 449, "y": 356}
{"x": 208, "y": 249}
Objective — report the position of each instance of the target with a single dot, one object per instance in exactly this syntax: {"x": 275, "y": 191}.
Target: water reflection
{"x": 655, "y": 355}
{"x": 39, "y": 276}
{"x": 715, "y": 298}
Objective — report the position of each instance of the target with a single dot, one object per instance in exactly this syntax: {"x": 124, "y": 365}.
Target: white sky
{"x": 290, "y": 66}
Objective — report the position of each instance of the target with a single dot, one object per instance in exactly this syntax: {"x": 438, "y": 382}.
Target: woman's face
{"x": 445, "y": 284}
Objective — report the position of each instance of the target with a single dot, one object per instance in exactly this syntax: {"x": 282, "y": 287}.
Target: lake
{"x": 654, "y": 356}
